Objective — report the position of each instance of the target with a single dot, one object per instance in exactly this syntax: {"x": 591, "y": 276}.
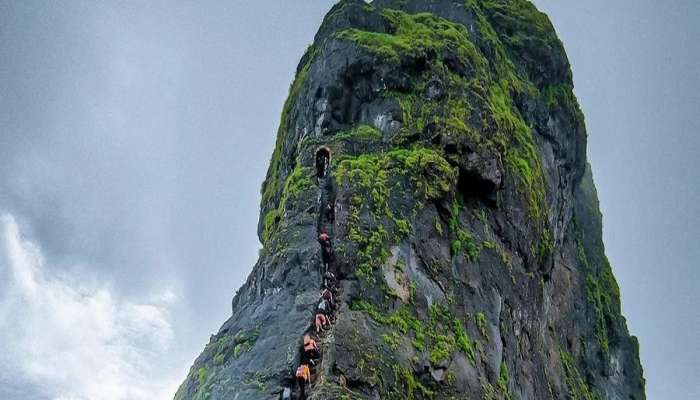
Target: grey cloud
{"x": 134, "y": 137}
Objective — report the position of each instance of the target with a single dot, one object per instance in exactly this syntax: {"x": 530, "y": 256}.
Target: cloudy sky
{"x": 134, "y": 137}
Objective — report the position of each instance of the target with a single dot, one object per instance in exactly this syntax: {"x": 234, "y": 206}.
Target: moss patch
{"x": 480, "y": 320}
{"x": 378, "y": 180}
{"x": 578, "y": 388}
{"x": 463, "y": 242}
{"x": 361, "y": 132}
{"x": 410, "y": 386}
{"x": 503, "y": 377}
{"x": 201, "y": 374}
{"x": 298, "y": 181}
{"x": 440, "y": 334}
{"x": 601, "y": 292}
{"x": 416, "y": 36}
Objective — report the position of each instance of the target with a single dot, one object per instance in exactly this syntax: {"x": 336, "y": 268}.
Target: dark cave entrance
{"x": 323, "y": 161}
{"x": 473, "y": 187}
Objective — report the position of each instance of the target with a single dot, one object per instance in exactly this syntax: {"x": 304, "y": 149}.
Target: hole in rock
{"x": 323, "y": 160}
{"x": 474, "y": 187}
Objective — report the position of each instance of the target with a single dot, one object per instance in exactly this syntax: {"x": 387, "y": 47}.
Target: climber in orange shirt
{"x": 303, "y": 376}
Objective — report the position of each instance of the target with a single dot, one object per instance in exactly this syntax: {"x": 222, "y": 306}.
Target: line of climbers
{"x": 310, "y": 354}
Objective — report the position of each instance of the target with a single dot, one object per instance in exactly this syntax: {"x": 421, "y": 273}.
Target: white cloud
{"x": 72, "y": 339}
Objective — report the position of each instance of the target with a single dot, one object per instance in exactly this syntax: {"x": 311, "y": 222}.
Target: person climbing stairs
{"x": 326, "y": 249}
{"x": 311, "y": 356}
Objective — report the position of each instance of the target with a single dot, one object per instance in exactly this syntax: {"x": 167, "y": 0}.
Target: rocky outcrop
{"x": 463, "y": 218}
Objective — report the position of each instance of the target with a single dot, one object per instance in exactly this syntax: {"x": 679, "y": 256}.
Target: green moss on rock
{"x": 463, "y": 241}
{"x": 202, "y": 375}
{"x": 376, "y": 179}
{"x": 361, "y": 132}
{"x": 441, "y": 334}
{"x": 408, "y": 385}
{"x": 298, "y": 181}
{"x": 578, "y": 388}
{"x": 415, "y": 35}
{"x": 603, "y": 294}
{"x": 480, "y": 320}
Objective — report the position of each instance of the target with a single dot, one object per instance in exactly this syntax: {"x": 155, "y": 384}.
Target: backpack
{"x": 323, "y": 306}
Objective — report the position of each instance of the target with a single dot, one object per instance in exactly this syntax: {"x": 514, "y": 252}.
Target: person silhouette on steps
{"x": 329, "y": 280}
{"x": 329, "y": 212}
{"x": 326, "y": 249}
{"x": 327, "y": 295}
{"x": 310, "y": 348}
{"x": 322, "y": 310}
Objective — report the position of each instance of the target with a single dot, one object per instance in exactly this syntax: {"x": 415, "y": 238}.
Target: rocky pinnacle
{"x": 439, "y": 145}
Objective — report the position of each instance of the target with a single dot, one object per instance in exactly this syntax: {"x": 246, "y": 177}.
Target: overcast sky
{"x": 134, "y": 137}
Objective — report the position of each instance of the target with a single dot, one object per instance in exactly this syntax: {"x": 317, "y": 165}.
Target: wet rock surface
{"x": 462, "y": 216}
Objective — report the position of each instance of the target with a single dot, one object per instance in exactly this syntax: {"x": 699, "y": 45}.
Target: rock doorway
{"x": 323, "y": 161}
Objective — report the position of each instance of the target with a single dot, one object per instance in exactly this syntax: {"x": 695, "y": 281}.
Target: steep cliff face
{"x": 463, "y": 218}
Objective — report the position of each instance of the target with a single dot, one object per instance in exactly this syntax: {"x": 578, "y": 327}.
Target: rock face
{"x": 462, "y": 214}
